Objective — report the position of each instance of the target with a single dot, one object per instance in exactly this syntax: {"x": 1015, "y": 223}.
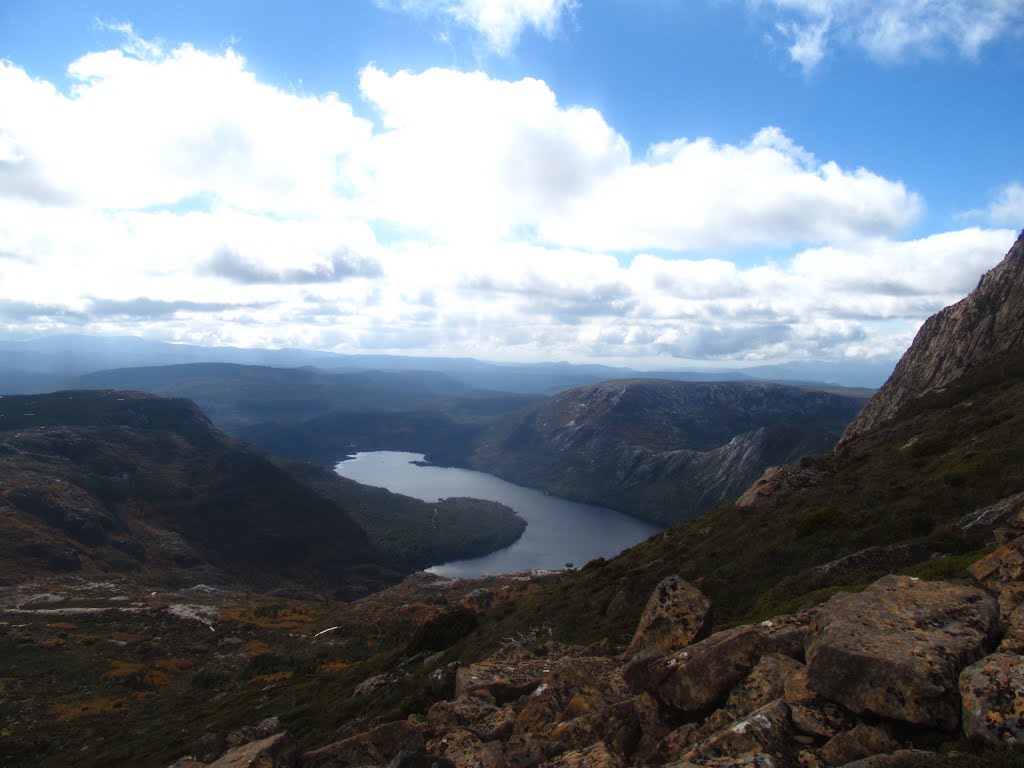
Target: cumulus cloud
{"x": 499, "y": 22}
{"x": 464, "y": 155}
{"x": 169, "y": 192}
{"x": 893, "y": 30}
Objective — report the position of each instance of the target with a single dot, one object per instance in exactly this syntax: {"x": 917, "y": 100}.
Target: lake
{"x": 558, "y": 531}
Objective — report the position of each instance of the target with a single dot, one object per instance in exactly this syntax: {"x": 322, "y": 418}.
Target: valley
{"x": 155, "y": 572}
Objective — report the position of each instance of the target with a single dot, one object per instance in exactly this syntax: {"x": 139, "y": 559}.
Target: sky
{"x": 655, "y": 183}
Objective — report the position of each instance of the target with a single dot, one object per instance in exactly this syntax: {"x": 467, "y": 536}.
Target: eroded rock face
{"x": 896, "y": 650}
{"x": 992, "y": 691}
{"x": 676, "y": 615}
{"x": 984, "y": 327}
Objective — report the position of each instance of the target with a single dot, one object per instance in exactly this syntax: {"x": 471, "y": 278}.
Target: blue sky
{"x": 655, "y": 182}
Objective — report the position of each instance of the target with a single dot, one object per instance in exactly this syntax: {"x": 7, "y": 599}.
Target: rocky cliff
{"x": 985, "y": 328}
{"x": 661, "y": 450}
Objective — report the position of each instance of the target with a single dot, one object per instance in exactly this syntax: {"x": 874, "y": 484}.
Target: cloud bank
{"x": 172, "y": 193}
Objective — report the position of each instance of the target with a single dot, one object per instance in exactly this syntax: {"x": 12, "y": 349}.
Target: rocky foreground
{"x": 875, "y": 679}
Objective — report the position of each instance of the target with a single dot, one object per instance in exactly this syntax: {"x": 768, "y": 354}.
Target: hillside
{"x": 108, "y": 482}
{"x": 661, "y": 450}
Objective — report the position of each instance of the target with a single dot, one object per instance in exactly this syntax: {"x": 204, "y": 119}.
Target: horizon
{"x": 686, "y": 186}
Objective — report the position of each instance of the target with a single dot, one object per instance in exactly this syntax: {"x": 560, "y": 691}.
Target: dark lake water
{"x": 558, "y": 531}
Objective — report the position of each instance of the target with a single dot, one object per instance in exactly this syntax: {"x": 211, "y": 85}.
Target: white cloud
{"x": 499, "y": 22}
{"x": 892, "y": 30}
{"x": 1008, "y": 207}
{"x": 171, "y": 193}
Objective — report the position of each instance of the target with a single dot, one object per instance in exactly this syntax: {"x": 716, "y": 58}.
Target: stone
{"x": 419, "y": 760}
{"x": 699, "y": 678}
{"x": 765, "y": 683}
{"x": 676, "y": 615}
{"x": 374, "y": 747}
{"x": 992, "y": 695}
{"x": 898, "y": 759}
{"x": 468, "y": 710}
{"x": 1013, "y": 640}
{"x": 465, "y": 750}
{"x": 504, "y": 679}
{"x": 275, "y": 751}
{"x": 595, "y": 756}
{"x": 896, "y": 649}
{"x": 616, "y": 726}
{"x": 859, "y": 742}
{"x": 813, "y": 714}
{"x": 743, "y": 761}
{"x": 572, "y": 687}
{"x": 765, "y": 731}
{"x": 1001, "y": 573}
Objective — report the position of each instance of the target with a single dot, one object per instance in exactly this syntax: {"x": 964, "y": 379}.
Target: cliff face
{"x": 984, "y": 328}
{"x": 661, "y": 450}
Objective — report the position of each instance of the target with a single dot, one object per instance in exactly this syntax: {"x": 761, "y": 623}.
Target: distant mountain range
{"x": 46, "y": 363}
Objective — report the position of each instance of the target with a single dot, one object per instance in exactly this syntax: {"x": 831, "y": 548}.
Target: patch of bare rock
{"x": 863, "y": 680}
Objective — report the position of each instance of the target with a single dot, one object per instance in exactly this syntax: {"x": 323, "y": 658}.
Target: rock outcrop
{"x": 985, "y": 328}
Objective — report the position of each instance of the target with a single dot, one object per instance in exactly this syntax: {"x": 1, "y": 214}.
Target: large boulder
{"x": 992, "y": 691}
{"x": 699, "y": 678}
{"x": 896, "y": 649}
{"x": 676, "y": 615}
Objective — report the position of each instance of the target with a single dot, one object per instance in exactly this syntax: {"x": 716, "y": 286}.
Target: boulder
{"x": 374, "y": 747}
{"x": 758, "y": 760}
{"x": 765, "y": 731}
{"x": 1002, "y": 572}
{"x": 617, "y": 726}
{"x": 503, "y": 680}
{"x": 419, "y": 760}
{"x": 859, "y": 742}
{"x": 812, "y": 714}
{"x": 275, "y": 751}
{"x": 596, "y": 756}
{"x": 465, "y": 750}
{"x": 1013, "y": 640}
{"x": 572, "y": 687}
{"x": 992, "y": 692}
{"x": 896, "y": 650}
{"x": 699, "y": 678}
{"x": 676, "y": 615}
{"x": 763, "y": 685}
